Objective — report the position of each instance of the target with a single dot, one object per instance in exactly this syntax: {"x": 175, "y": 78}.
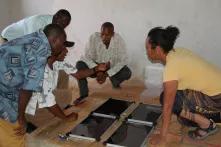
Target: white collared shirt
{"x": 26, "y": 26}
{"x": 96, "y": 52}
{"x": 46, "y": 98}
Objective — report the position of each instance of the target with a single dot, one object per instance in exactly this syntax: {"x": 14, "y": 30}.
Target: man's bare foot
{"x": 72, "y": 117}
{"x": 80, "y": 100}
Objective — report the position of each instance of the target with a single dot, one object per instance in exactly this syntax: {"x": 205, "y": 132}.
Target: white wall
{"x": 198, "y": 20}
{"x": 25, "y": 8}
{"x": 4, "y": 13}
{"x": 14, "y": 10}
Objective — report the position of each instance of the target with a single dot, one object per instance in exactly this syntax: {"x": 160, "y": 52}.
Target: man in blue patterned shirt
{"x": 22, "y": 63}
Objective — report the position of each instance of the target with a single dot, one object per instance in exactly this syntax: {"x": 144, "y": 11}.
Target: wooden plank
{"x": 57, "y": 126}
{"x": 107, "y": 134}
{"x": 49, "y": 132}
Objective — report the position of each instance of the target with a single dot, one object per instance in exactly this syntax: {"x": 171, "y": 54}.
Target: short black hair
{"x": 108, "y": 25}
{"x": 163, "y": 37}
{"x": 63, "y": 13}
{"x": 54, "y": 30}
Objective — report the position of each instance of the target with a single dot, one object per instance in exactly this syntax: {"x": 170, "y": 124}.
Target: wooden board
{"x": 49, "y": 132}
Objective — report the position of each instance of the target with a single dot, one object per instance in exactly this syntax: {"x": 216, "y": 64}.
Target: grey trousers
{"x": 116, "y": 80}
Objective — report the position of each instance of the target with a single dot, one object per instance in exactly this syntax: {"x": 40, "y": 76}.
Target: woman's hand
{"x": 157, "y": 140}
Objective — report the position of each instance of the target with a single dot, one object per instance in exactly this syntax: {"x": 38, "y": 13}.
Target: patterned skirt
{"x": 196, "y": 102}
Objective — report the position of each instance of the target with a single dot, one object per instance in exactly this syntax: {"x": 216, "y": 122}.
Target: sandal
{"x": 195, "y": 134}
{"x": 186, "y": 122}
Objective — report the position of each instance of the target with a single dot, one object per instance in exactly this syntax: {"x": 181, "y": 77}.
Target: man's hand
{"x": 101, "y": 77}
{"x": 24, "y": 96}
{"x": 102, "y": 67}
{"x": 51, "y": 60}
{"x": 62, "y": 55}
{"x": 108, "y": 65}
{"x": 21, "y": 129}
{"x": 71, "y": 117}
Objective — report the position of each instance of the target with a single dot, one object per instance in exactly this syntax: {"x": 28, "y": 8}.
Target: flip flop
{"x": 194, "y": 134}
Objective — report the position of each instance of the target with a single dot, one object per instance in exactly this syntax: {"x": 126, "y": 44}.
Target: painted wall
{"x": 198, "y": 20}
{"x": 4, "y": 13}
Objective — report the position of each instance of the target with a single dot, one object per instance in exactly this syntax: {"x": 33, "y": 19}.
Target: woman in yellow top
{"x": 192, "y": 86}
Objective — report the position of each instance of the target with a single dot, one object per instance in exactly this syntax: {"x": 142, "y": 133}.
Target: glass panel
{"x": 113, "y": 107}
{"x": 130, "y": 135}
{"x": 92, "y": 127}
{"x": 148, "y": 113}
{"x": 134, "y": 134}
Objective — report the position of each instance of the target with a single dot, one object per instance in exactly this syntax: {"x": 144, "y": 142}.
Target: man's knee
{"x": 81, "y": 65}
{"x": 127, "y": 72}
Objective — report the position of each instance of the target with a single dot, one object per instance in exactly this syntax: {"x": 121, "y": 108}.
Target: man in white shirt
{"x": 46, "y": 98}
{"x": 34, "y": 23}
{"x": 106, "y": 49}
{"x": 28, "y": 26}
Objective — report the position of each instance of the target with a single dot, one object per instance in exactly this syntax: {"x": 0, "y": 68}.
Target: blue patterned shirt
{"x": 22, "y": 63}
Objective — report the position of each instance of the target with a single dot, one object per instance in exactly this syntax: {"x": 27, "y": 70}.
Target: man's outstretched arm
{"x": 24, "y": 97}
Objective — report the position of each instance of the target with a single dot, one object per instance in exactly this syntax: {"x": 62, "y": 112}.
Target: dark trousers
{"x": 116, "y": 80}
